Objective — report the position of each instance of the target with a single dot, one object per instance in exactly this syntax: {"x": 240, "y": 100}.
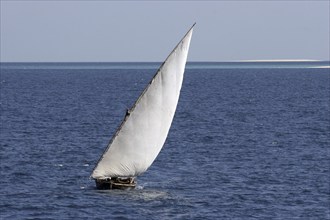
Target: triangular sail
{"x": 143, "y": 132}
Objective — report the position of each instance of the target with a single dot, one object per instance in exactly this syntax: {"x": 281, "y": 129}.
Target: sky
{"x": 147, "y": 31}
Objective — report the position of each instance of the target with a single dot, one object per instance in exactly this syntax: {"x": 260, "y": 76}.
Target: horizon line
{"x": 221, "y": 61}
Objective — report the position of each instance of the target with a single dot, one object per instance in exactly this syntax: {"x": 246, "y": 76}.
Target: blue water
{"x": 245, "y": 143}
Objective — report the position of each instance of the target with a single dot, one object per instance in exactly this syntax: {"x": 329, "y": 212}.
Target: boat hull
{"x": 115, "y": 183}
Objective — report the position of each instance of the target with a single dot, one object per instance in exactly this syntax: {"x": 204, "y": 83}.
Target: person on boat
{"x": 128, "y": 112}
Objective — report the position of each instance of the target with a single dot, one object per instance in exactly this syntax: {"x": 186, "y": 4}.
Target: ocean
{"x": 248, "y": 141}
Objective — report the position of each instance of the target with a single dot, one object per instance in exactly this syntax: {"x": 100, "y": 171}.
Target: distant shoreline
{"x": 279, "y": 60}
{"x": 321, "y": 67}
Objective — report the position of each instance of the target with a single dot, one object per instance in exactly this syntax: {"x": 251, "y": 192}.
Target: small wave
{"x": 139, "y": 187}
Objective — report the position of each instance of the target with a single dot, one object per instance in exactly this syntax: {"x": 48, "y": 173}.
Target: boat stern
{"x": 115, "y": 183}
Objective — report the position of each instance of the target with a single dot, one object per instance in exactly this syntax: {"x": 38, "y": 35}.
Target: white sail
{"x": 143, "y": 132}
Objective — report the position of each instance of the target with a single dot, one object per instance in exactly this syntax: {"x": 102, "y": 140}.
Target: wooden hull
{"x": 115, "y": 183}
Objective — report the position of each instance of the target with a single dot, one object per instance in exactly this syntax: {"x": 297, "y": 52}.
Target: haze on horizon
{"x": 145, "y": 31}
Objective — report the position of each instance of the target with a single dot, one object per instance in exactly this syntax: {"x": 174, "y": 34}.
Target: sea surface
{"x": 248, "y": 141}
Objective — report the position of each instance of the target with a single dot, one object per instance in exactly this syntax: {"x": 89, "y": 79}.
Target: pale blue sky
{"x": 110, "y": 31}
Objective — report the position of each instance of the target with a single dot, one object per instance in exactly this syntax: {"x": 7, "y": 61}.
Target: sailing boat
{"x": 143, "y": 132}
